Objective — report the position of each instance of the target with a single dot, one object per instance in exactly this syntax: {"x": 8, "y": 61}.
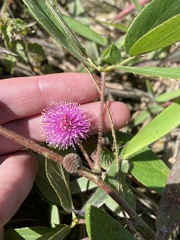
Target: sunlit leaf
{"x": 59, "y": 233}
{"x": 81, "y": 184}
{"x": 168, "y": 96}
{"x": 145, "y": 166}
{"x": 48, "y": 15}
{"x": 114, "y": 54}
{"x": 25, "y": 233}
{"x": 157, "y": 26}
{"x": 149, "y": 170}
{"x": 152, "y": 71}
{"x": 85, "y": 31}
{"x": 157, "y": 128}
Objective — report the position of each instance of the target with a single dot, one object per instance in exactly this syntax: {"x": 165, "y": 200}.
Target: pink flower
{"x": 65, "y": 124}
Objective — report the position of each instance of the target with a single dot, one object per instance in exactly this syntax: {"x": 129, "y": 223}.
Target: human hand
{"x": 21, "y": 103}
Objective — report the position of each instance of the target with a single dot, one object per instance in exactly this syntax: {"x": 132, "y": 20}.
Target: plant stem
{"x": 110, "y": 116}
{"x": 100, "y": 127}
{"x": 113, "y": 67}
{"x": 30, "y": 144}
{"x": 138, "y": 223}
{"x": 118, "y": 162}
{"x": 86, "y": 156}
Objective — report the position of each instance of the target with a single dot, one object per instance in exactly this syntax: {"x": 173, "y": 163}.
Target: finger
{"x": 1, "y": 233}
{"x": 18, "y": 172}
{"x": 27, "y": 96}
{"x": 30, "y": 127}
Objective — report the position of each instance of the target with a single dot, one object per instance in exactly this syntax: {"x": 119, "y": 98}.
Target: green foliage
{"x": 85, "y": 31}
{"x": 100, "y": 225}
{"x": 9, "y": 28}
{"x": 168, "y": 96}
{"x": 114, "y": 55}
{"x": 144, "y": 115}
{"x": 50, "y": 18}
{"x": 158, "y": 127}
{"x": 13, "y": 32}
{"x": 25, "y": 233}
{"x": 154, "y": 27}
{"x": 100, "y": 197}
{"x": 149, "y": 170}
{"x": 45, "y": 188}
{"x": 59, "y": 181}
{"x": 10, "y": 63}
{"x": 127, "y": 157}
{"x": 152, "y": 71}
{"x": 145, "y": 166}
{"x": 59, "y": 233}
{"x": 40, "y": 233}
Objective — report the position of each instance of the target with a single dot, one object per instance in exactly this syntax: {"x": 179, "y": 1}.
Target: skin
{"x": 21, "y": 102}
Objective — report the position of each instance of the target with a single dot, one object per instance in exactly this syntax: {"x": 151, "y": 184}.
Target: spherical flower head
{"x": 65, "y": 124}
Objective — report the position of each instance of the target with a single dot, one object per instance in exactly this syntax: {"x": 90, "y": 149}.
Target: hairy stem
{"x": 86, "y": 156}
{"x": 100, "y": 127}
{"x": 30, "y": 144}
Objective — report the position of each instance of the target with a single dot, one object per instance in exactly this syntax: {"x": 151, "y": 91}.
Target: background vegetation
{"x": 101, "y": 27}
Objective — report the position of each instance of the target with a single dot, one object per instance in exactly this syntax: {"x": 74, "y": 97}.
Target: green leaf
{"x": 157, "y": 26}
{"x": 150, "y": 89}
{"x": 151, "y": 110}
{"x": 9, "y": 62}
{"x": 115, "y": 25}
{"x": 149, "y": 170}
{"x": 97, "y": 199}
{"x": 100, "y": 225}
{"x": 59, "y": 233}
{"x": 157, "y": 128}
{"x": 19, "y": 47}
{"x": 55, "y": 218}
{"x": 100, "y": 197}
{"x": 152, "y": 71}
{"x": 81, "y": 184}
{"x": 48, "y": 15}
{"x": 59, "y": 181}
{"x": 114, "y": 55}
{"x": 160, "y": 37}
{"x": 145, "y": 166}
{"x": 25, "y": 233}
{"x": 11, "y": 28}
{"x": 168, "y": 96}
{"x": 45, "y": 188}
{"x": 36, "y": 52}
{"x": 113, "y": 178}
{"x": 126, "y": 193}
{"x": 85, "y": 31}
